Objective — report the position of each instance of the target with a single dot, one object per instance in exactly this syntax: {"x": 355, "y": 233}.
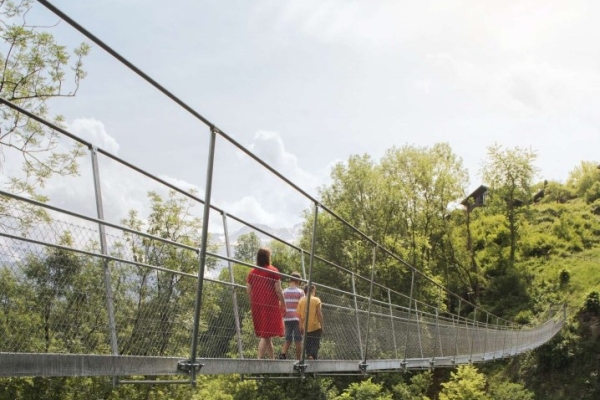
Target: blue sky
{"x": 305, "y": 84}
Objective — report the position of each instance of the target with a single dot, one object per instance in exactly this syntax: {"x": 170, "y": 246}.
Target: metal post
{"x": 363, "y": 366}
{"x": 437, "y": 328}
{"x": 487, "y": 318}
{"x": 357, "y": 318}
{"x": 473, "y": 335}
{"x": 302, "y": 260}
{"x": 302, "y": 365}
{"x": 412, "y": 287}
{"x": 236, "y": 314}
{"x": 504, "y": 342}
{"x": 418, "y": 328}
{"x": 496, "y": 336}
{"x": 112, "y": 326}
{"x": 437, "y": 324}
{"x": 192, "y": 366}
{"x": 393, "y": 324}
{"x": 457, "y": 327}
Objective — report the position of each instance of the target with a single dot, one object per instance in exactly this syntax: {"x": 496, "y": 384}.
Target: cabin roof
{"x": 476, "y": 193}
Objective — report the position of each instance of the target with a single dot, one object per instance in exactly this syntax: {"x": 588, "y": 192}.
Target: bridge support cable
{"x": 356, "y": 314}
{"x": 410, "y": 300}
{"x": 236, "y": 313}
{"x": 303, "y": 264}
{"x": 472, "y": 344}
{"x": 418, "y": 323}
{"x": 456, "y": 331}
{"x": 437, "y": 342}
{"x": 363, "y": 365}
{"x": 104, "y": 250}
{"x": 485, "y": 339}
{"x": 437, "y": 327}
{"x": 192, "y": 366}
{"x": 301, "y": 365}
{"x": 392, "y": 323}
{"x": 495, "y": 342}
{"x": 106, "y": 264}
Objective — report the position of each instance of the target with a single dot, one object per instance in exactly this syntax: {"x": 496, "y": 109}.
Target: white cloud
{"x": 94, "y": 131}
{"x": 265, "y": 198}
{"x": 269, "y": 146}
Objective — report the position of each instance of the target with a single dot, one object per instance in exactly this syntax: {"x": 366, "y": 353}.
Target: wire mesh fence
{"x": 54, "y": 300}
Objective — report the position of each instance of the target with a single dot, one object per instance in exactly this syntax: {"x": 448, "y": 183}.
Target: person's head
{"x": 313, "y": 289}
{"x": 295, "y": 278}
{"x": 263, "y": 257}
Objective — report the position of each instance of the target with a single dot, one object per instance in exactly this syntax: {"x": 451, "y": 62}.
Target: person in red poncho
{"x": 266, "y": 302}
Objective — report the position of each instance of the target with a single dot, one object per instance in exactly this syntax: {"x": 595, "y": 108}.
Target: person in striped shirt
{"x": 292, "y": 295}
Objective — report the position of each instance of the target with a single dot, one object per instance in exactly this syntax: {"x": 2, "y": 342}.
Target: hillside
{"x": 561, "y": 250}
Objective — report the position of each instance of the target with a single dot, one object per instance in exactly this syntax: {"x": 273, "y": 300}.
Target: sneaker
{"x": 282, "y": 356}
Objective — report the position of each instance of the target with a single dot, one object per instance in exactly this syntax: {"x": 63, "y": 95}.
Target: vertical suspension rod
{"x": 193, "y": 366}
{"x": 457, "y": 328}
{"x": 410, "y": 300}
{"x": 112, "y": 326}
{"x": 364, "y": 363}
{"x": 360, "y": 346}
{"x": 392, "y": 321}
{"x": 236, "y": 313}
{"x": 301, "y": 366}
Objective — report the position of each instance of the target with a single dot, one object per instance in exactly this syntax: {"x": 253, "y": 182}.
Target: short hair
{"x": 295, "y": 276}
{"x": 312, "y": 287}
{"x": 263, "y": 257}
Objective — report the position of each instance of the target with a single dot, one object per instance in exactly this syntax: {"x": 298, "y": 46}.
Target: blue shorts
{"x": 292, "y": 331}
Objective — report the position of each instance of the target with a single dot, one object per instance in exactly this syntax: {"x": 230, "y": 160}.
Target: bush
{"x": 524, "y": 317}
{"x": 557, "y": 353}
{"x": 592, "y": 303}
{"x": 593, "y": 193}
{"x": 595, "y": 207}
{"x": 564, "y": 276}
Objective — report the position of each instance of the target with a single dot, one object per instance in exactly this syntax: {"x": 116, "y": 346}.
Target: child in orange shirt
{"x": 314, "y": 331}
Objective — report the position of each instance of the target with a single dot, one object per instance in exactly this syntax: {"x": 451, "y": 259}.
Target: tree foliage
{"x": 35, "y": 69}
{"x": 509, "y": 174}
{"x": 466, "y": 383}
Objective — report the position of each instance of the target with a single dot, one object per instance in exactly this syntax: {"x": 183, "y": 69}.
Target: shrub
{"x": 564, "y": 276}
{"x": 592, "y": 303}
{"x": 524, "y": 317}
{"x": 593, "y": 193}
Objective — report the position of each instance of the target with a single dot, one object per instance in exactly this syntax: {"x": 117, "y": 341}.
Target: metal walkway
{"x": 82, "y": 296}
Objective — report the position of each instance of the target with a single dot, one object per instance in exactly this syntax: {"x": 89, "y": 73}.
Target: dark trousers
{"x": 313, "y": 343}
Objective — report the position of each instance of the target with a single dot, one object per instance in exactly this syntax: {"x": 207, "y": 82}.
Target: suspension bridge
{"x": 83, "y": 296}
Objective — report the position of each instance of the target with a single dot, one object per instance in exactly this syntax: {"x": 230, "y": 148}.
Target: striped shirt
{"x": 292, "y": 295}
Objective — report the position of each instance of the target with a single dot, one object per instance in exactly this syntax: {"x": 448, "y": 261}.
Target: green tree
{"x": 509, "y": 173}
{"x": 35, "y": 69}
{"x": 416, "y": 389}
{"x": 424, "y": 182}
{"x": 365, "y": 390}
{"x": 158, "y": 302}
{"x": 402, "y": 202}
{"x": 556, "y": 192}
{"x": 286, "y": 258}
{"x": 509, "y": 391}
{"x": 247, "y": 247}
{"x": 582, "y": 180}
{"x": 466, "y": 383}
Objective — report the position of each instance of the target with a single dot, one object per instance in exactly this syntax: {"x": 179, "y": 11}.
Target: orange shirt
{"x": 315, "y": 306}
